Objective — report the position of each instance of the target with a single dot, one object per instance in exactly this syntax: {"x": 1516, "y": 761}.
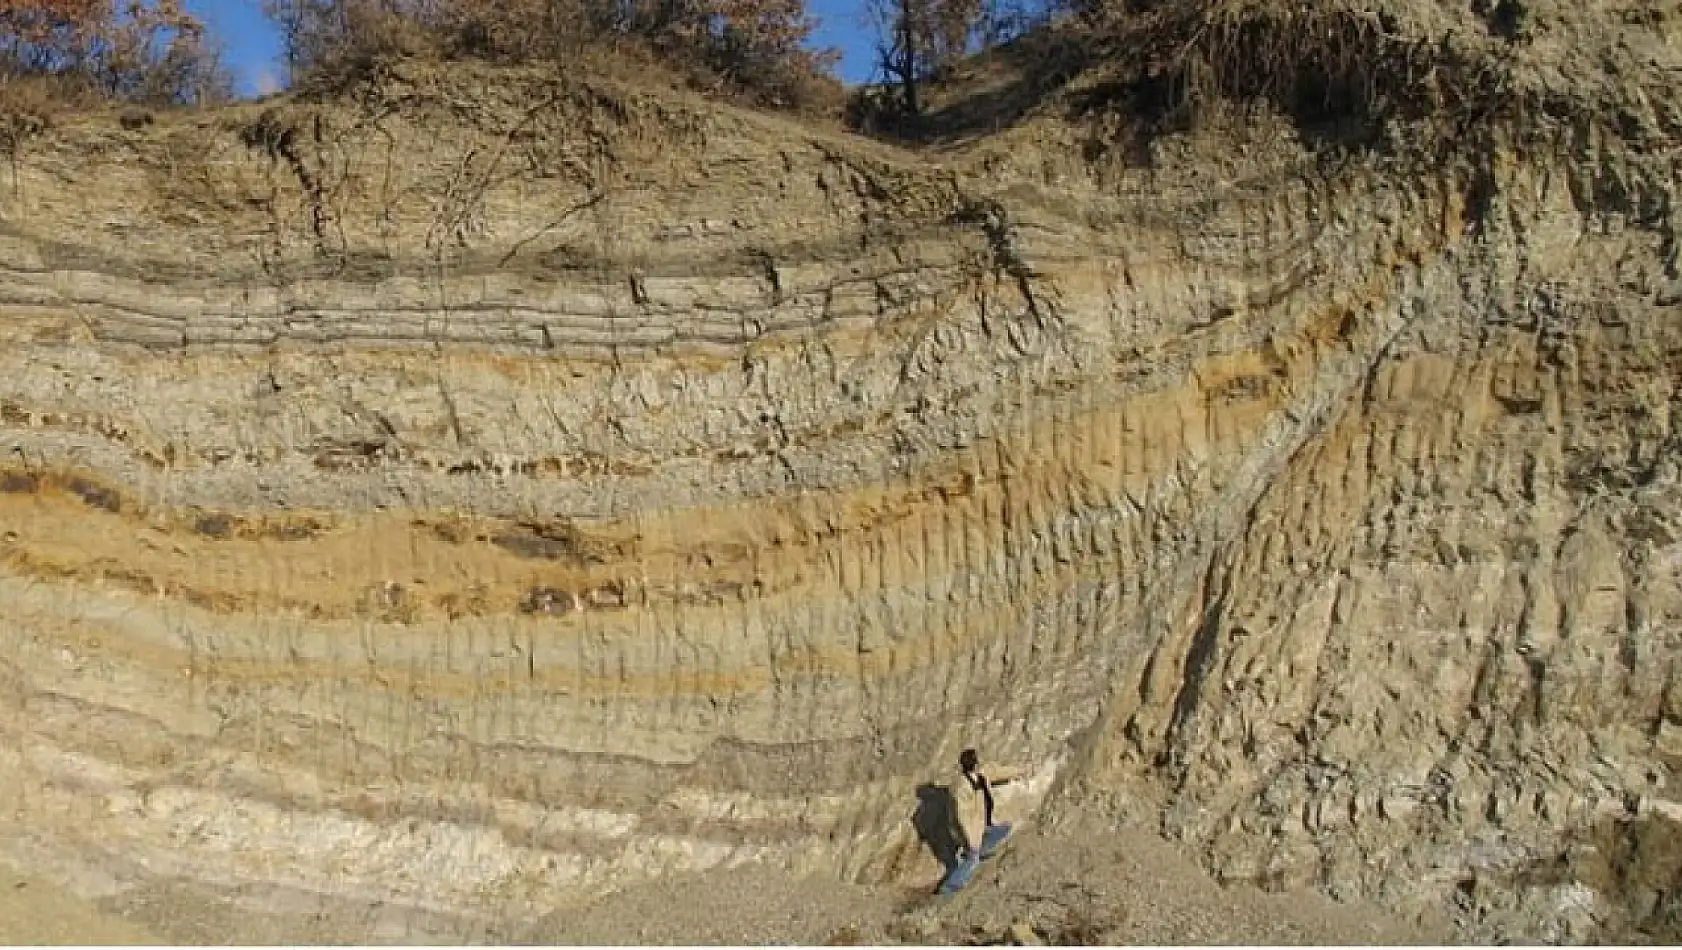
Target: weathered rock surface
{"x": 447, "y": 505}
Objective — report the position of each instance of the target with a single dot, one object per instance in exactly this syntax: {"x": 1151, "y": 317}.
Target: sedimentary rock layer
{"x": 472, "y": 498}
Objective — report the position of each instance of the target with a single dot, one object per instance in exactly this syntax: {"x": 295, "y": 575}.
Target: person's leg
{"x": 961, "y": 873}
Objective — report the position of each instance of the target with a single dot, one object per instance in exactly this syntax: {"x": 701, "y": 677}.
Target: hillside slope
{"x": 485, "y": 492}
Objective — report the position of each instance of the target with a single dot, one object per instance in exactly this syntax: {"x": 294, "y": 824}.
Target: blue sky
{"x": 253, "y": 50}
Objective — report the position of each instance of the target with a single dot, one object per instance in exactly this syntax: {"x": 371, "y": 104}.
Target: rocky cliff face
{"x": 425, "y": 510}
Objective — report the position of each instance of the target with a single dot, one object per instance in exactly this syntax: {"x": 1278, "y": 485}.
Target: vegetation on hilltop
{"x": 753, "y": 50}
{"x": 81, "y": 52}
{"x": 1419, "y": 75}
{"x": 757, "y": 51}
{"x": 55, "y": 53}
{"x": 154, "y": 53}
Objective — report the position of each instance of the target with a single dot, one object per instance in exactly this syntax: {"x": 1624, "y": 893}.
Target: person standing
{"x": 980, "y": 833}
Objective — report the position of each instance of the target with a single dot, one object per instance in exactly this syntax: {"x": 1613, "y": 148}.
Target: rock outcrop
{"x": 435, "y": 507}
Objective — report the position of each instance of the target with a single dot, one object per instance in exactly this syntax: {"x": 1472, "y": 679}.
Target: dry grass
{"x": 573, "y": 47}
{"x": 27, "y": 108}
{"x": 1324, "y": 63}
{"x": 620, "y": 59}
{"x": 1334, "y": 67}
{"x": 29, "y": 105}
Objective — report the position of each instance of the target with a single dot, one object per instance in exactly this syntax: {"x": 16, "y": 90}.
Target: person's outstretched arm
{"x": 1004, "y": 774}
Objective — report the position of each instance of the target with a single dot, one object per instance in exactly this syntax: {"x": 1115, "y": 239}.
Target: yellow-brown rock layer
{"x": 473, "y": 499}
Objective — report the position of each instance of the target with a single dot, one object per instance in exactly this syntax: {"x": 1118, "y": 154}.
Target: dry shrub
{"x": 28, "y": 107}
{"x": 60, "y": 56}
{"x": 123, "y": 50}
{"x": 880, "y": 110}
{"x": 334, "y": 44}
{"x": 745, "y": 49}
{"x": 1322, "y": 58}
{"x": 1328, "y": 64}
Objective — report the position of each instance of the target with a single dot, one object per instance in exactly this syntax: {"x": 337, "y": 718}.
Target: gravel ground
{"x": 749, "y": 905}
{"x": 1123, "y": 886}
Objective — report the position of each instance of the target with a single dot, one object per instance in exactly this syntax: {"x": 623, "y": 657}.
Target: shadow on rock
{"x": 934, "y": 820}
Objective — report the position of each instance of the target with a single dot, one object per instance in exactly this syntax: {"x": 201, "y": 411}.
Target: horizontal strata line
{"x": 981, "y": 473}
{"x": 446, "y": 326}
{"x": 1124, "y": 378}
{"x": 938, "y": 243}
{"x": 1053, "y": 246}
{"x": 561, "y": 733}
{"x": 398, "y": 865}
{"x": 92, "y": 494}
{"x": 698, "y": 804}
{"x": 389, "y": 456}
{"x": 627, "y": 297}
{"x": 980, "y": 477}
{"x": 910, "y": 589}
{"x": 533, "y": 663}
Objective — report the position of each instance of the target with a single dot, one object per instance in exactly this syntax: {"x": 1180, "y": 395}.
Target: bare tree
{"x": 297, "y": 21}
{"x": 919, "y": 38}
{"x": 141, "y": 52}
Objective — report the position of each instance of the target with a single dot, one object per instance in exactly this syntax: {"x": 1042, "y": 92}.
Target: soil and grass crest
{"x": 1424, "y": 79}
